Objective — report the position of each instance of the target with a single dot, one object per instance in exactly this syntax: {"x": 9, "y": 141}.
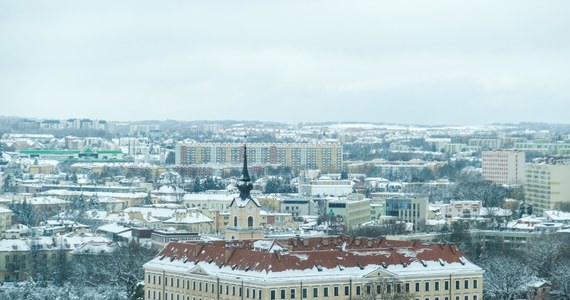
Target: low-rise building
{"x": 219, "y": 202}
{"x": 311, "y": 268}
{"x": 160, "y": 238}
{"x": 5, "y": 219}
{"x": 464, "y": 209}
{"x": 326, "y": 186}
{"x": 407, "y": 209}
{"x": 190, "y": 220}
{"x": 298, "y": 206}
{"x": 352, "y": 211}
{"x": 377, "y": 210}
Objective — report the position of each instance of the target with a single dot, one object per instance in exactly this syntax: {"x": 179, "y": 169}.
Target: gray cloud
{"x": 428, "y": 62}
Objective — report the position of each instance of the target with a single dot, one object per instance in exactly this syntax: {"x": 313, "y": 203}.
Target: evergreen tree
{"x": 23, "y": 213}
{"x": 212, "y": 184}
{"x": 74, "y": 177}
{"x": 7, "y": 184}
{"x": 78, "y": 206}
{"x": 170, "y": 158}
{"x": 197, "y": 185}
{"x": 148, "y": 199}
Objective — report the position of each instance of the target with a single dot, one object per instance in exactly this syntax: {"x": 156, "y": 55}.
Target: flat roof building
{"x": 547, "y": 186}
{"x": 324, "y": 156}
{"x": 504, "y": 167}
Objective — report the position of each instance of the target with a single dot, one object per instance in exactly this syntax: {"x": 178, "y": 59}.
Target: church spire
{"x": 244, "y": 172}
{"x": 245, "y": 186}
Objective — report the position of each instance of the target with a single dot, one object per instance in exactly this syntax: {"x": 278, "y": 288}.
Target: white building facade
{"x": 504, "y": 167}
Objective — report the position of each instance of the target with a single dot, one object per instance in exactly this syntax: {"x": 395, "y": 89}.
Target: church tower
{"x": 245, "y": 211}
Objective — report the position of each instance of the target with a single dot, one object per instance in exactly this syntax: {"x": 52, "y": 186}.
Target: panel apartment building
{"x": 504, "y": 166}
{"x": 547, "y": 186}
{"x": 326, "y": 157}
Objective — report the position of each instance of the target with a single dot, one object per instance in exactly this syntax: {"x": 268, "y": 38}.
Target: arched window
{"x": 235, "y": 221}
{"x": 250, "y": 221}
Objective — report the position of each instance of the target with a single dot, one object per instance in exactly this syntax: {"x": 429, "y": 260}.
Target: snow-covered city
{"x": 284, "y": 150}
{"x": 225, "y": 210}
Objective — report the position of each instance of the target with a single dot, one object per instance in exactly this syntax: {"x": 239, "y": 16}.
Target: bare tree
{"x": 544, "y": 255}
{"x": 121, "y": 268}
{"x": 560, "y": 280}
{"x": 506, "y": 277}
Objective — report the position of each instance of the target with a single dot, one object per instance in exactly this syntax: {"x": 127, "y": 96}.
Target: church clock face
{"x": 250, "y": 208}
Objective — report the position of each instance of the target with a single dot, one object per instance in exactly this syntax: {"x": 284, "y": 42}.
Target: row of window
{"x": 436, "y": 285}
{"x": 291, "y": 293}
{"x": 155, "y": 294}
{"x": 206, "y": 287}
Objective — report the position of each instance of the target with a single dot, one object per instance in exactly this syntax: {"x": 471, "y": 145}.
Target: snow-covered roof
{"x": 495, "y": 211}
{"x": 557, "y": 216}
{"x": 430, "y": 222}
{"x": 156, "y": 212}
{"x": 209, "y": 196}
{"x": 268, "y": 213}
{"x": 14, "y": 245}
{"x": 524, "y": 223}
{"x": 95, "y": 248}
{"x": 113, "y": 228}
{"x": 118, "y": 217}
{"x": 292, "y": 259}
{"x": 5, "y": 210}
{"x": 67, "y": 193}
{"x": 189, "y": 218}
{"x": 45, "y": 201}
{"x": 240, "y": 202}
{"x": 73, "y": 240}
{"x": 168, "y": 189}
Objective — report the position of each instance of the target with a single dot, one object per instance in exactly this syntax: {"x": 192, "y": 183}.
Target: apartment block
{"x": 545, "y": 148}
{"x": 547, "y": 186}
{"x": 324, "y": 156}
{"x": 492, "y": 144}
{"x": 504, "y": 167}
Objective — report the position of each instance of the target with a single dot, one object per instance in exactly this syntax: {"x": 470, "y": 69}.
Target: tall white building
{"x": 547, "y": 186}
{"x": 504, "y": 167}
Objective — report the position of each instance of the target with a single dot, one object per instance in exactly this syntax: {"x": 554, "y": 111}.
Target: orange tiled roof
{"x": 307, "y": 253}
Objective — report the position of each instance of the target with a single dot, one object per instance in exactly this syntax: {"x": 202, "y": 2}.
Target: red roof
{"x": 307, "y": 253}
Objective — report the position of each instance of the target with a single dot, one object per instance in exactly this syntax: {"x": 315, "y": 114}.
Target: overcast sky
{"x": 414, "y": 62}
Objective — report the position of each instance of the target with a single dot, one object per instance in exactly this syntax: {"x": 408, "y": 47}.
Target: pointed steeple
{"x": 245, "y": 186}
{"x": 244, "y": 172}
